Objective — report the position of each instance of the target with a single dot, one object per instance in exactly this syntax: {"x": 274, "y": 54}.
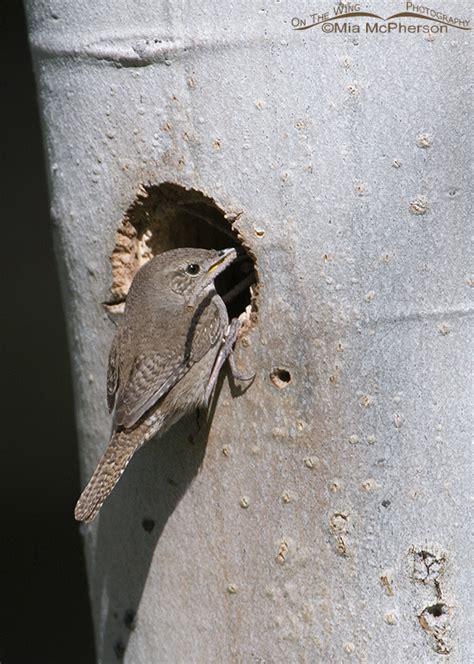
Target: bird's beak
{"x": 226, "y": 257}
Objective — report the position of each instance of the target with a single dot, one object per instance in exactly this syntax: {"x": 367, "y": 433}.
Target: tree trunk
{"x": 320, "y": 515}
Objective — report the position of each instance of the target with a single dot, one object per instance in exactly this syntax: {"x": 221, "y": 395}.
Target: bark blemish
{"x": 428, "y": 567}
{"x": 444, "y": 328}
{"x": 424, "y": 141}
{"x": 387, "y": 583}
{"x": 390, "y": 618}
{"x": 419, "y": 206}
{"x": 435, "y": 620}
{"x": 338, "y": 526}
{"x": 312, "y": 462}
{"x": 282, "y": 553}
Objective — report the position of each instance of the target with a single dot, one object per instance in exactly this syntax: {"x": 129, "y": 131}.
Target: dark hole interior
{"x": 436, "y": 610}
{"x": 282, "y": 375}
{"x": 168, "y": 216}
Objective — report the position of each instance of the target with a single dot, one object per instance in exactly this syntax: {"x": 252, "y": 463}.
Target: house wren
{"x": 165, "y": 358}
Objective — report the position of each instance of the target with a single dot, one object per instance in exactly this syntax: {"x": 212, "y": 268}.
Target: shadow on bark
{"x": 132, "y": 521}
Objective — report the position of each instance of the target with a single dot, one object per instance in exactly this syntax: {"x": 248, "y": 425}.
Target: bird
{"x": 165, "y": 358}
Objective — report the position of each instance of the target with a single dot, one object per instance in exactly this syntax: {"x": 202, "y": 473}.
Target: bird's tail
{"x": 122, "y": 447}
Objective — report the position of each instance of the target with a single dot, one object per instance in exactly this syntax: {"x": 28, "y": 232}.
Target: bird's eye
{"x": 192, "y": 269}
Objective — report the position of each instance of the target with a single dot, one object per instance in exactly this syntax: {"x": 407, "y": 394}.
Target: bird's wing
{"x": 113, "y": 373}
{"x": 151, "y": 377}
{"x": 155, "y": 372}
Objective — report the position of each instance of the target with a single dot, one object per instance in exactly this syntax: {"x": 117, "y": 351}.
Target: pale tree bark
{"x": 319, "y": 516}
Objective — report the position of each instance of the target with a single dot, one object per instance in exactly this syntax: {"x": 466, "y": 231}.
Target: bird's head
{"x": 188, "y": 273}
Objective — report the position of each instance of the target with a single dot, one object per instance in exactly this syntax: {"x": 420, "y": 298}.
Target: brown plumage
{"x": 164, "y": 360}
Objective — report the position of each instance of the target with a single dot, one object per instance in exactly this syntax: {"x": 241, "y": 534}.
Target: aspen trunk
{"x": 319, "y": 516}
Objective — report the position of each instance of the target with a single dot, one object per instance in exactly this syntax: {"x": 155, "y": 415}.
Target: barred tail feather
{"x": 108, "y": 472}
{"x": 122, "y": 447}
